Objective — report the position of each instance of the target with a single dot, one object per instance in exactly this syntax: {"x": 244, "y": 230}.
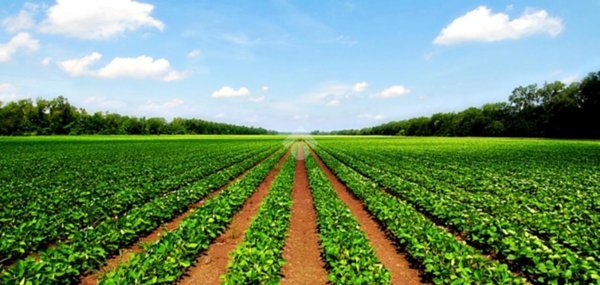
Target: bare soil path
{"x": 385, "y": 249}
{"x": 302, "y": 251}
{"x": 211, "y": 264}
{"x": 125, "y": 253}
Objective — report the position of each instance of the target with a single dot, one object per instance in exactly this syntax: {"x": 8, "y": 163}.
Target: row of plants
{"x": 554, "y": 204}
{"x": 541, "y": 261}
{"x": 166, "y": 260}
{"x": 63, "y": 225}
{"x": 80, "y": 172}
{"x": 349, "y": 257}
{"x": 258, "y": 259}
{"x": 442, "y": 258}
{"x": 90, "y": 248}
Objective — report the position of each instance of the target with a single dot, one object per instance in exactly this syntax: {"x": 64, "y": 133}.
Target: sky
{"x": 291, "y": 65}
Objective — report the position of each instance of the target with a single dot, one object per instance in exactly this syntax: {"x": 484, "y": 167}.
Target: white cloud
{"x": 46, "y": 60}
{"x": 9, "y": 92}
{"x": 80, "y": 66}
{"x": 132, "y": 67}
{"x": 20, "y": 41}
{"x": 227, "y": 91}
{"x": 360, "y": 86}
{"x": 265, "y": 88}
{"x": 391, "y": 92}
{"x": 257, "y": 99}
{"x": 104, "y": 102}
{"x": 139, "y": 67}
{"x": 22, "y": 21}
{"x": 195, "y": 53}
{"x": 371, "y": 117}
{"x": 158, "y": 106}
{"x": 175, "y": 75}
{"x": 93, "y": 19}
{"x": 480, "y": 25}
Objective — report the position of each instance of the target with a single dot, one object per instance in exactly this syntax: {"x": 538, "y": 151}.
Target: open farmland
{"x": 298, "y": 210}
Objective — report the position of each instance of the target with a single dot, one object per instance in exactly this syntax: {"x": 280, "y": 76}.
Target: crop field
{"x": 298, "y": 210}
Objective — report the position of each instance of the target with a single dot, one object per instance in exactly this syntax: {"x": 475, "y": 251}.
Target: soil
{"x": 126, "y": 253}
{"x": 213, "y": 262}
{"x": 395, "y": 262}
{"x": 302, "y": 252}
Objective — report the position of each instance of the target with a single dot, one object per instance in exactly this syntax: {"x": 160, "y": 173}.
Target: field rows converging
{"x": 296, "y": 210}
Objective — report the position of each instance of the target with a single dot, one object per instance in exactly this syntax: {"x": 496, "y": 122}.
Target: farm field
{"x": 298, "y": 210}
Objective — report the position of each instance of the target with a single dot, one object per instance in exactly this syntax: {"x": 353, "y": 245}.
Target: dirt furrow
{"x": 125, "y": 254}
{"x": 211, "y": 264}
{"x": 385, "y": 249}
{"x": 302, "y": 252}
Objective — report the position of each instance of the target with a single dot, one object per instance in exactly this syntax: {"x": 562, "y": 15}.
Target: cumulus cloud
{"x": 22, "y": 21}
{"x": 360, "y": 86}
{"x": 481, "y": 25}
{"x": 139, "y": 67}
{"x": 131, "y": 67}
{"x": 226, "y": 92}
{"x": 93, "y": 19}
{"x": 391, "y": 92}
{"x": 80, "y": 66}
{"x": 21, "y": 41}
{"x": 264, "y": 88}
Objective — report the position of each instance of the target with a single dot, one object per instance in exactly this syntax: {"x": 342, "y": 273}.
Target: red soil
{"x": 125, "y": 254}
{"x": 302, "y": 252}
{"x": 213, "y": 262}
{"x": 385, "y": 249}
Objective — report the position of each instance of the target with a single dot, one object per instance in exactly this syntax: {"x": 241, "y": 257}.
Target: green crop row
{"x": 42, "y": 229}
{"x": 82, "y": 174}
{"x": 165, "y": 261}
{"x": 511, "y": 241}
{"x": 349, "y": 256}
{"x": 443, "y": 259}
{"x": 550, "y": 187}
{"x": 258, "y": 259}
{"x": 555, "y": 209}
{"x": 90, "y": 248}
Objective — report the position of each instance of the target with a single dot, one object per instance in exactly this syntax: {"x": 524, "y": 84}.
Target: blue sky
{"x": 291, "y": 65}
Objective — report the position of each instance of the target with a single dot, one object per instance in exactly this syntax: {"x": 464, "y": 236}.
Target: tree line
{"x": 554, "y": 109}
{"x": 59, "y": 117}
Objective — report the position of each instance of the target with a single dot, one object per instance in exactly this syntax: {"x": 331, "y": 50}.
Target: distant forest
{"x": 59, "y": 117}
{"x": 553, "y": 110}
